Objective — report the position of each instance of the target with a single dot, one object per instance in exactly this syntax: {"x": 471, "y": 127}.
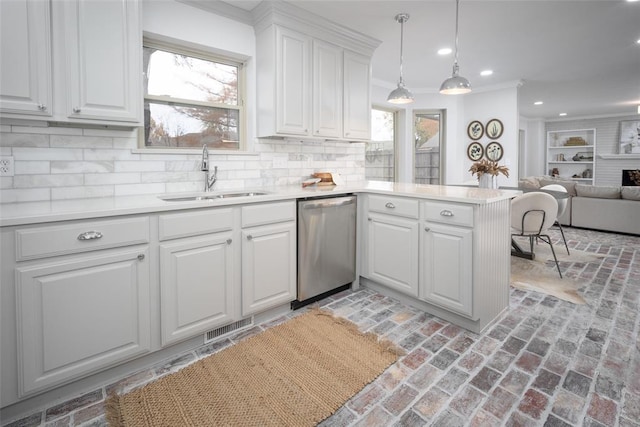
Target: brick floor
{"x": 546, "y": 362}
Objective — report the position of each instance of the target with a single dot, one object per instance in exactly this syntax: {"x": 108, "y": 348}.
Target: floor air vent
{"x": 224, "y": 330}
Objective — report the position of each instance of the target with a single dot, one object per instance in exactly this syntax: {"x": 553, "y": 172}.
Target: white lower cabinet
{"x": 197, "y": 284}
{"x": 445, "y": 279}
{"x": 392, "y": 248}
{"x": 79, "y": 314}
{"x": 392, "y": 243}
{"x": 268, "y": 256}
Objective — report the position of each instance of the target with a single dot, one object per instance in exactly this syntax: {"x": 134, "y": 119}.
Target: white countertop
{"x": 64, "y": 210}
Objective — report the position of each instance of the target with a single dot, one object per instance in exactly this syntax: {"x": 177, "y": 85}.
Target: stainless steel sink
{"x": 211, "y": 197}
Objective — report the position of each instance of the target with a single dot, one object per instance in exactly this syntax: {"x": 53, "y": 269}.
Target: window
{"x": 380, "y": 151}
{"x": 428, "y": 130}
{"x": 191, "y": 99}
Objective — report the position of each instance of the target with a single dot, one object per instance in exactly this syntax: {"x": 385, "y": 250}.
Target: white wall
{"x": 460, "y": 110}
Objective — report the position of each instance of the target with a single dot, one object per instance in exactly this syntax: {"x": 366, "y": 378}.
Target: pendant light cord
{"x": 455, "y": 60}
{"x": 401, "y": 19}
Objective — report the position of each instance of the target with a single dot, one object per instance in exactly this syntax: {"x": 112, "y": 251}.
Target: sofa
{"x": 607, "y": 208}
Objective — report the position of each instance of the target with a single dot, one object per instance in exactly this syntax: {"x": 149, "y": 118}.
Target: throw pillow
{"x": 630, "y": 193}
{"x": 600, "y": 192}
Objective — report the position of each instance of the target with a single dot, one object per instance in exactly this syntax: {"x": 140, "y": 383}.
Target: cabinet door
{"x": 446, "y": 279}
{"x": 268, "y": 266}
{"x": 197, "y": 283}
{"x": 79, "y": 315}
{"x": 327, "y": 90}
{"x": 392, "y": 253}
{"x": 25, "y": 47}
{"x": 357, "y": 96}
{"x": 293, "y": 89}
{"x": 103, "y": 59}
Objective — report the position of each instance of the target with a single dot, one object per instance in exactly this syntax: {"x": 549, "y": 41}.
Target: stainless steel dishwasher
{"x": 326, "y": 247}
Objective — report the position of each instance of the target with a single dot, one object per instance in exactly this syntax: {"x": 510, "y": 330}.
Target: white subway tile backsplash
{"x": 39, "y": 181}
{"x": 81, "y": 167}
{"x": 29, "y": 153}
{"x": 138, "y": 166}
{"x": 107, "y": 154}
{"x": 24, "y": 140}
{"x": 81, "y": 141}
{"x": 5, "y": 128}
{"x": 111, "y": 178}
{"x": 6, "y": 182}
{"x": 35, "y": 167}
{"x": 84, "y": 163}
{"x": 46, "y": 130}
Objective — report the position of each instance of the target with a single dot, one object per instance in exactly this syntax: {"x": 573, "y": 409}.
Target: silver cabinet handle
{"x": 90, "y": 235}
{"x": 390, "y": 205}
{"x": 427, "y": 229}
{"x": 76, "y": 110}
{"x": 140, "y": 257}
{"x": 229, "y": 241}
{"x": 249, "y": 237}
{"x": 42, "y": 107}
{"x": 446, "y": 212}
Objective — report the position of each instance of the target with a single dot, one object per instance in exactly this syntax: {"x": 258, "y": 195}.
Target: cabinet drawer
{"x": 449, "y": 213}
{"x": 253, "y": 215}
{"x": 33, "y": 243}
{"x": 184, "y": 224}
{"x": 409, "y": 208}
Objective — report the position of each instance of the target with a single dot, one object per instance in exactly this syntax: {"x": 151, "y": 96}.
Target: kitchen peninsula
{"x": 90, "y": 288}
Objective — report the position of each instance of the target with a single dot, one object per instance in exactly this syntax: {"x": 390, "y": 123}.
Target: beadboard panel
{"x": 607, "y": 171}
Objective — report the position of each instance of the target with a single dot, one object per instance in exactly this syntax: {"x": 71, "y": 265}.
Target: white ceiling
{"x": 577, "y": 56}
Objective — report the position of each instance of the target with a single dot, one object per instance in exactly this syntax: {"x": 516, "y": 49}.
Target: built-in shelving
{"x": 572, "y": 153}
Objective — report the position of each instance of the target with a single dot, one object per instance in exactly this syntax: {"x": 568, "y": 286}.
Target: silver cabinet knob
{"x": 76, "y": 110}
{"x": 249, "y": 237}
{"x": 42, "y": 107}
{"x": 390, "y": 205}
{"x": 90, "y": 235}
{"x": 427, "y": 229}
{"x": 446, "y": 212}
{"x": 140, "y": 257}
{"x": 229, "y": 241}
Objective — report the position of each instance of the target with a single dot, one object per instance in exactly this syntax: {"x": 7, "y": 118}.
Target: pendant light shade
{"x": 401, "y": 95}
{"x": 456, "y": 84}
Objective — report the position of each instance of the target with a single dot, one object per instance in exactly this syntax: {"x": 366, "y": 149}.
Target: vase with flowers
{"x": 487, "y": 172}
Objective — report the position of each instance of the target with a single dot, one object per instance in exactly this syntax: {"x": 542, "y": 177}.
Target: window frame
{"x": 441, "y": 143}
{"x": 394, "y": 112}
{"x": 206, "y": 55}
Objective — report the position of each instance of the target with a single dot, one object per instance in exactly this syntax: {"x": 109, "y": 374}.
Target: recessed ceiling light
{"x": 638, "y": 41}
{"x": 445, "y": 51}
{"x": 486, "y": 72}
{"x": 631, "y": 1}
{"x": 562, "y": 114}
{"x": 538, "y": 103}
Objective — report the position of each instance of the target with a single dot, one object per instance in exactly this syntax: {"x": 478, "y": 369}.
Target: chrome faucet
{"x": 208, "y": 180}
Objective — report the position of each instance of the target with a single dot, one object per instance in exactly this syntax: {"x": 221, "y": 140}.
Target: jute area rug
{"x": 541, "y": 275}
{"x": 294, "y": 374}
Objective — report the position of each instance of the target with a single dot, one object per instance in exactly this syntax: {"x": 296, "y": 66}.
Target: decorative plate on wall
{"x": 475, "y": 130}
{"x": 494, "y": 129}
{"x": 494, "y": 151}
{"x": 475, "y": 151}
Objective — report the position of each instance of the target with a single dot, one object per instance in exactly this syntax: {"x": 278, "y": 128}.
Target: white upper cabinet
{"x": 95, "y": 74}
{"x": 327, "y": 90}
{"x": 357, "y": 96}
{"x": 102, "y": 47}
{"x": 25, "y": 68}
{"x": 310, "y": 81}
{"x": 293, "y": 82}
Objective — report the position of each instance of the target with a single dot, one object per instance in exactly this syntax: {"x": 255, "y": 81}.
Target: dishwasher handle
{"x": 328, "y": 203}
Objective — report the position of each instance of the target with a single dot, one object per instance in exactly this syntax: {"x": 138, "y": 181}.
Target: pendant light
{"x": 401, "y": 95}
{"x": 456, "y": 84}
